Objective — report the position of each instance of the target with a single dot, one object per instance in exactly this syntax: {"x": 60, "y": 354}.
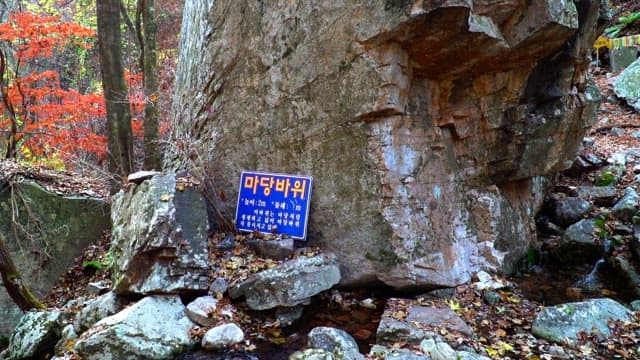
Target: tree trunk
{"x": 12, "y": 280}
{"x": 114, "y": 87}
{"x": 152, "y": 158}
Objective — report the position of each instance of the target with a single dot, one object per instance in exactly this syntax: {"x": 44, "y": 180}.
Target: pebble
{"x": 218, "y": 287}
{"x": 222, "y": 336}
{"x": 617, "y": 131}
{"x": 492, "y": 297}
{"x": 227, "y": 244}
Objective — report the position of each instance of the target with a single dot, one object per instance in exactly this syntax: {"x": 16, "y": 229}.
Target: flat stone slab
{"x": 439, "y": 317}
{"x": 563, "y": 323}
{"x": 600, "y": 195}
{"x": 290, "y": 283}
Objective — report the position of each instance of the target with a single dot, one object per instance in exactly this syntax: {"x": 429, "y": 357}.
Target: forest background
{"x": 53, "y": 111}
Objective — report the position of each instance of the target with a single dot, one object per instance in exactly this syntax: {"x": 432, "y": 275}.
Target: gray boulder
{"x": 580, "y": 242}
{"x": 223, "y": 336}
{"x": 627, "y": 206}
{"x": 98, "y": 309}
{"x": 392, "y": 330}
{"x": 600, "y": 195}
{"x": 159, "y": 238}
{"x": 202, "y": 310}
{"x": 156, "y": 328}
{"x": 626, "y": 85}
{"x": 335, "y": 340}
{"x": 45, "y": 234}
{"x": 290, "y": 283}
{"x": 562, "y": 323}
{"x": 569, "y": 210}
{"x": 36, "y": 335}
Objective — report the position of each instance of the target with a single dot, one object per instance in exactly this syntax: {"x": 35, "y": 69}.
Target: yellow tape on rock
{"x": 617, "y": 43}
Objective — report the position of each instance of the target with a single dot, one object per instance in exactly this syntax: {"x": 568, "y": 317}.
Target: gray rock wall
{"x": 427, "y": 125}
{"x": 45, "y": 232}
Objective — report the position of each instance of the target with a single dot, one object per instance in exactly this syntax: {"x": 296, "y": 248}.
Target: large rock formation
{"x": 159, "y": 238}
{"x": 427, "y": 125}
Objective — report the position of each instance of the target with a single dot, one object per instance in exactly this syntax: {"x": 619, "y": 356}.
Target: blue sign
{"x": 274, "y": 203}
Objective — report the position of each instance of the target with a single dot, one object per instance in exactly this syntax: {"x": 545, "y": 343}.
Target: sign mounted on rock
{"x": 274, "y": 203}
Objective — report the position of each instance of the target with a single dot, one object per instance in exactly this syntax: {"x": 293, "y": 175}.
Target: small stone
{"x": 278, "y": 249}
{"x": 486, "y": 282}
{"x": 218, "y": 287}
{"x": 635, "y": 305}
{"x": 97, "y": 288}
{"x": 437, "y": 350}
{"x": 367, "y": 303}
{"x": 202, "y": 310}
{"x": 618, "y": 159}
{"x": 437, "y": 294}
{"x": 617, "y": 131}
{"x": 227, "y": 244}
{"x": 558, "y": 352}
{"x": 313, "y": 354}
{"x": 588, "y": 142}
{"x": 381, "y": 352}
{"x": 627, "y": 206}
{"x": 287, "y": 315}
{"x": 335, "y": 340}
{"x": 392, "y": 330}
{"x": 569, "y": 210}
{"x": 594, "y": 159}
{"x": 492, "y": 297}
{"x": 636, "y": 134}
{"x": 223, "y": 336}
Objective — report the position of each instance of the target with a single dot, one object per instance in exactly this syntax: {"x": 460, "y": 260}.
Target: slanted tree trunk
{"x": 16, "y": 288}
{"x": 114, "y": 87}
{"x": 152, "y": 157}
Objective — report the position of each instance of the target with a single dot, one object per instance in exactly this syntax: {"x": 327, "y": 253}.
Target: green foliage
{"x": 606, "y": 178}
{"x": 531, "y": 256}
{"x": 623, "y": 21}
{"x": 107, "y": 263}
{"x": 93, "y": 264}
{"x": 601, "y": 229}
{"x": 630, "y": 18}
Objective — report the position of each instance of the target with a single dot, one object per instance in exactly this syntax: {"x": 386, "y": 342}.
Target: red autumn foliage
{"x": 37, "y": 113}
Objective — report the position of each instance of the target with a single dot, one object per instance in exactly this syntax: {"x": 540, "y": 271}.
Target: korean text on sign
{"x": 274, "y": 203}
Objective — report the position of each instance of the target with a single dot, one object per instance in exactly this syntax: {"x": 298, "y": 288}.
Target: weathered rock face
{"x": 45, "y": 232}
{"x": 159, "y": 238}
{"x": 426, "y": 124}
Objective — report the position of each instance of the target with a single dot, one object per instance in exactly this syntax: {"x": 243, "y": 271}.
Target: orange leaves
{"x": 38, "y": 35}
